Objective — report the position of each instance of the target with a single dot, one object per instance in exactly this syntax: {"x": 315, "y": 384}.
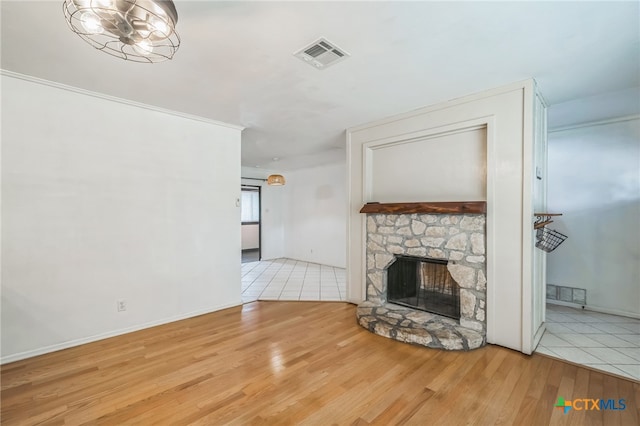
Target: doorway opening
{"x": 251, "y": 223}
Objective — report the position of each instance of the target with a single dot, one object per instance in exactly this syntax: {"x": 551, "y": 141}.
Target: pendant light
{"x": 134, "y": 30}
{"x": 275, "y": 180}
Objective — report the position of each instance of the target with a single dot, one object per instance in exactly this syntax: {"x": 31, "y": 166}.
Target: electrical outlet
{"x": 121, "y": 305}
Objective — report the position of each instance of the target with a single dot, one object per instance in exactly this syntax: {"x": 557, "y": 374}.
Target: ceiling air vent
{"x": 321, "y": 53}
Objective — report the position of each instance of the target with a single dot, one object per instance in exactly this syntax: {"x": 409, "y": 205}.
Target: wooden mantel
{"x": 447, "y": 207}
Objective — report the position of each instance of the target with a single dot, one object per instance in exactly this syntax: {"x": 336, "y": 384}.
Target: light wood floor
{"x": 297, "y": 363}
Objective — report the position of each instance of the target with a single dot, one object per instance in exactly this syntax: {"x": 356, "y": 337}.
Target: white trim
{"x": 351, "y": 298}
{"x": 596, "y": 123}
{"x": 311, "y": 263}
{"x": 366, "y": 181}
{"x": 490, "y": 226}
{"x": 115, "y": 99}
{"x": 530, "y": 288}
{"x": 77, "y": 342}
{"x": 528, "y": 173}
{"x": 537, "y": 337}
{"x": 367, "y": 169}
{"x": 538, "y": 93}
{"x": 540, "y": 159}
{"x": 430, "y": 133}
{"x": 438, "y": 106}
{"x": 595, "y": 309}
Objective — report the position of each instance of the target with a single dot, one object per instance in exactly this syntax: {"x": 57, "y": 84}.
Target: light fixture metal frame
{"x": 119, "y": 42}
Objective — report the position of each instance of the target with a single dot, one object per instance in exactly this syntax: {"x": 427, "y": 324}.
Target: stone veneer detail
{"x": 458, "y": 238}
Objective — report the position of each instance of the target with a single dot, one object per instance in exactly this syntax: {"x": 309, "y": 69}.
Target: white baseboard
{"x": 77, "y": 342}
{"x": 596, "y": 309}
{"x": 299, "y": 259}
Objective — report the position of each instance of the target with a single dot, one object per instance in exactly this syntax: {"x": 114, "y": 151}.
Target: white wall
{"x": 594, "y": 180}
{"x": 508, "y": 115}
{"x": 250, "y": 236}
{"x": 103, "y": 200}
{"x": 316, "y": 215}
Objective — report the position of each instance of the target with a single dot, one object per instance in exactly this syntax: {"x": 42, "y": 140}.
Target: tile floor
{"x": 287, "y": 279}
{"x": 601, "y": 341}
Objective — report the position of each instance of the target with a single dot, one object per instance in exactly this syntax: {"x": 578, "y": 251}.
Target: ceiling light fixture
{"x": 134, "y": 30}
{"x": 275, "y": 180}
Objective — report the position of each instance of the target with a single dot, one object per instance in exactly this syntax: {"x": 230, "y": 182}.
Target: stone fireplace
{"x": 426, "y": 274}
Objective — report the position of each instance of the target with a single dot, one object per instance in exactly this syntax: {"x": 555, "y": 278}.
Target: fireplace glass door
{"x": 425, "y": 284}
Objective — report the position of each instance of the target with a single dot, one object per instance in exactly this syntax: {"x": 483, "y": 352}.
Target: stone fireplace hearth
{"x": 456, "y": 240}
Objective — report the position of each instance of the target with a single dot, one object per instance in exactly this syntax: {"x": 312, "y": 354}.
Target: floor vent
{"x": 321, "y": 53}
{"x": 567, "y": 294}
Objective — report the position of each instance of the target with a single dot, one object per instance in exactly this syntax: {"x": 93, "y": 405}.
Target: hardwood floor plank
{"x": 610, "y": 387}
{"x": 549, "y": 396}
{"x": 529, "y": 403}
{"x": 447, "y": 386}
{"x": 297, "y": 363}
{"x": 629, "y": 416}
{"x": 408, "y": 415}
{"x": 596, "y": 390}
{"x": 580, "y": 390}
{"x": 490, "y": 384}
{"x": 565, "y": 387}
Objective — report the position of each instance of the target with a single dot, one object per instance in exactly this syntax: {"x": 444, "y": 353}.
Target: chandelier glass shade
{"x": 275, "y": 180}
{"x": 134, "y": 30}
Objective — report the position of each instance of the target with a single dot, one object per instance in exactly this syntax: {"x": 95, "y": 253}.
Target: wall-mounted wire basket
{"x": 548, "y": 239}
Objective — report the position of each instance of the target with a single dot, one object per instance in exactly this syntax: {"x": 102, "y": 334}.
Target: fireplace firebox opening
{"x": 425, "y": 284}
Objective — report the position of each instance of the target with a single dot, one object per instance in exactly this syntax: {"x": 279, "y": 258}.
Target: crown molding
{"x": 595, "y": 123}
{"x": 49, "y": 83}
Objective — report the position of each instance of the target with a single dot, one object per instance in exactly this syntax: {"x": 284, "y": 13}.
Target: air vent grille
{"x": 315, "y": 51}
{"x": 321, "y": 53}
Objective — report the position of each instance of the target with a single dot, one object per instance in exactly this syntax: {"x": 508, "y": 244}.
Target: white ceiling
{"x": 236, "y": 62}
